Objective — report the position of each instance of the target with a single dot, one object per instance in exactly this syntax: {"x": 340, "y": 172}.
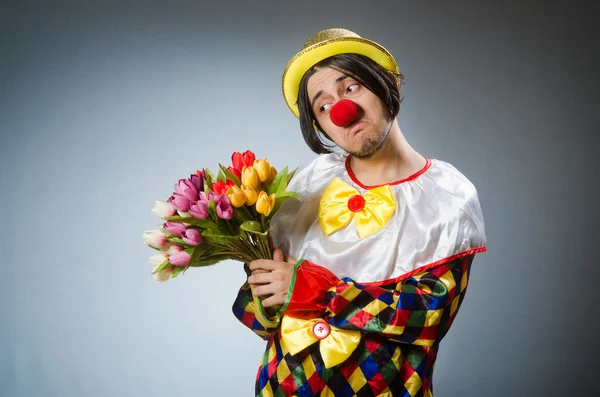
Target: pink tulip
{"x": 199, "y": 209}
{"x": 179, "y": 201}
{"x": 180, "y": 259}
{"x": 187, "y": 189}
{"x": 154, "y": 238}
{"x": 212, "y": 195}
{"x": 192, "y": 237}
{"x": 223, "y": 207}
{"x": 175, "y": 228}
{"x": 202, "y": 197}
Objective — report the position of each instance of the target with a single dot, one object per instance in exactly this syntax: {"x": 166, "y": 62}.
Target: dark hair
{"x": 386, "y": 85}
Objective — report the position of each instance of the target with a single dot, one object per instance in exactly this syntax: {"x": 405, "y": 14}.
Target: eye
{"x": 352, "y": 88}
{"x": 325, "y": 107}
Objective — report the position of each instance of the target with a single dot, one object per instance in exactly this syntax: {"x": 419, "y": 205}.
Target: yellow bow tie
{"x": 335, "y": 344}
{"x": 341, "y": 202}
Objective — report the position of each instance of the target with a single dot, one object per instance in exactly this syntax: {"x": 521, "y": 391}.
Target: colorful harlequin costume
{"x": 382, "y": 274}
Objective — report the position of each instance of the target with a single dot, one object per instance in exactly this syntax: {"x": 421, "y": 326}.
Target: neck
{"x": 395, "y": 160}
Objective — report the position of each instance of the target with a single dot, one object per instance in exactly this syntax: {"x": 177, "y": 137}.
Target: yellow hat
{"x": 322, "y": 45}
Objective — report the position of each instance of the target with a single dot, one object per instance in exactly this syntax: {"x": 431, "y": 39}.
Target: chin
{"x": 369, "y": 147}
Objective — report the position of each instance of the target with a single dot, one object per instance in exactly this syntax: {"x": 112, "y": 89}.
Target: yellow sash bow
{"x": 341, "y": 202}
{"x": 335, "y": 344}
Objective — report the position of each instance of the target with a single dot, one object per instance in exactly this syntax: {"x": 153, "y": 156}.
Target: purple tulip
{"x": 180, "y": 259}
{"x": 187, "y": 189}
{"x": 198, "y": 181}
{"x": 192, "y": 237}
{"x": 199, "y": 209}
{"x": 223, "y": 207}
{"x": 180, "y": 202}
{"x": 175, "y": 228}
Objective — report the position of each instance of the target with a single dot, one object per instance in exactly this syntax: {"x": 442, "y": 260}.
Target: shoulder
{"x": 447, "y": 178}
{"x": 321, "y": 169}
{"x": 454, "y": 192}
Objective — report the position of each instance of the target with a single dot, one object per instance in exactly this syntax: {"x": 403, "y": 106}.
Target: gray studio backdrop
{"x": 104, "y": 105}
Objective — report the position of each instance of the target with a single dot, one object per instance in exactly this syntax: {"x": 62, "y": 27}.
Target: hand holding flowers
{"x": 210, "y": 219}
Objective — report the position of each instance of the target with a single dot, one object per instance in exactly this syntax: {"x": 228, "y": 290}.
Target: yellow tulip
{"x": 272, "y": 176}
{"x": 265, "y": 203}
{"x": 263, "y": 169}
{"x": 236, "y": 196}
{"x": 250, "y": 194}
{"x": 250, "y": 177}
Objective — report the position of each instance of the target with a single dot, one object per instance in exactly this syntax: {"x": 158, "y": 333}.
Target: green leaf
{"x": 290, "y": 176}
{"x": 221, "y": 176}
{"x": 174, "y": 218}
{"x": 241, "y": 214}
{"x": 279, "y": 183}
{"x": 288, "y": 194}
{"x": 253, "y": 227}
{"x": 162, "y": 267}
{"x": 214, "y": 259}
{"x": 211, "y": 237}
{"x": 176, "y": 271}
{"x": 208, "y": 180}
{"x": 177, "y": 241}
{"x": 199, "y": 254}
{"x": 212, "y": 209}
{"x": 230, "y": 175}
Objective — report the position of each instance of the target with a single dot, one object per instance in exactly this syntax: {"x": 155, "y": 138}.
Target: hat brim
{"x": 308, "y": 57}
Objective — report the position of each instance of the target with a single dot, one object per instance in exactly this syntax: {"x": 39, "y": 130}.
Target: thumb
{"x": 278, "y": 255}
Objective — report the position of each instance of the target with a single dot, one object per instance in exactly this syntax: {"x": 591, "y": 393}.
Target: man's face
{"x": 364, "y": 136}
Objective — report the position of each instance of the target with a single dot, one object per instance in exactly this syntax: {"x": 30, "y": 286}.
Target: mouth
{"x": 356, "y": 127}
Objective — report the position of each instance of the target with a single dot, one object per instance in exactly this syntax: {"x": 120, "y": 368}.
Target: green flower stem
{"x": 268, "y": 247}
{"x": 252, "y": 247}
{"x": 262, "y": 222}
{"x": 264, "y": 251}
{"x": 247, "y": 212}
{"x": 247, "y": 247}
{"x": 229, "y": 249}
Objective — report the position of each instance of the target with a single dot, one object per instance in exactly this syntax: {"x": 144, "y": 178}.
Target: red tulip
{"x": 220, "y": 187}
{"x": 240, "y": 160}
{"x": 235, "y": 172}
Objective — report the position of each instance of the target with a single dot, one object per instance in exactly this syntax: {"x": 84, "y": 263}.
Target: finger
{"x": 263, "y": 290}
{"x": 291, "y": 260}
{"x": 258, "y": 271}
{"x": 278, "y": 255}
{"x": 273, "y": 301}
{"x": 264, "y": 264}
{"x": 260, "y": 278}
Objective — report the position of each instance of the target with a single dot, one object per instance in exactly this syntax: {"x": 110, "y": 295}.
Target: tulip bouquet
{"x": 210, "y": 219}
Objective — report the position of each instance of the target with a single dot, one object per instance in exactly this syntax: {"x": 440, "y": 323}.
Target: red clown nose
{"x": 343, "y": 113}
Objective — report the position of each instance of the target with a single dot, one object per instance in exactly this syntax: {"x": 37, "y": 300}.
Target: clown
{"x": 373, "y": 263}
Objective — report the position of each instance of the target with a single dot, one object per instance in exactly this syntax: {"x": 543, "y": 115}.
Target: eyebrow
{"x": 318, "y": 94}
